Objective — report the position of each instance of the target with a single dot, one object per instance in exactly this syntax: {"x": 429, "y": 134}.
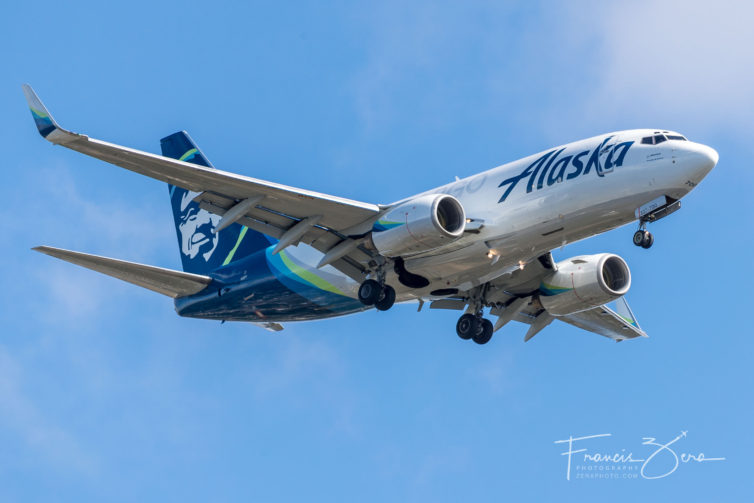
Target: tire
{"x": 639, "y": 238}
{"x": 467, "y": 326}
{"x": 370, "y": 292}
{"x": 485, "y": 334}
{"x": 387, "y": 300}
{"x": 649, "y": 240}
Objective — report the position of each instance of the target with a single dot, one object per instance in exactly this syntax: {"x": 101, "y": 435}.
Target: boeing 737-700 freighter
{"x": 267, "y": 253}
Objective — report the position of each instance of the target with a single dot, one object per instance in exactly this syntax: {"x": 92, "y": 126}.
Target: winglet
{"x": 46, "y": 125}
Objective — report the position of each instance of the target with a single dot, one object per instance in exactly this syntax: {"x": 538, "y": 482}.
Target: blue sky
{"x": 105, "y": 394}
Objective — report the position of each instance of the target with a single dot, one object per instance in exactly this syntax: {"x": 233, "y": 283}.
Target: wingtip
{"x": 43, "y": 249}
{"x": 42, "y": 118}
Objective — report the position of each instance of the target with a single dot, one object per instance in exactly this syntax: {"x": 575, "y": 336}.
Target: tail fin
{"x": 203, "y": 250}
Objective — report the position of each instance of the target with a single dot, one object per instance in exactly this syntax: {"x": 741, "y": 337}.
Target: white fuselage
{"x": 528, "y": 207}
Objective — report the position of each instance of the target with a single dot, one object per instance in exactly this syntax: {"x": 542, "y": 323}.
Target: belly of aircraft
{"x": 264, "y": 289}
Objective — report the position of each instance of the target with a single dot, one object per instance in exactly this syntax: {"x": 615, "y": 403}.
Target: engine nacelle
{"x": 419, "y": 225}
{"x": 584, "y": 282}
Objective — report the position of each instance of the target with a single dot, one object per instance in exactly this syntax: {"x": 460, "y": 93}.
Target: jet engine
{"x": 419, "y": 225}
{"x": 584, "y": 282}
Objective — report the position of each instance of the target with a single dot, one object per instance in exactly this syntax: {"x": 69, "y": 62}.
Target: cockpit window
{"x": 653, "y": 140}
{"x": 676, "y": 137}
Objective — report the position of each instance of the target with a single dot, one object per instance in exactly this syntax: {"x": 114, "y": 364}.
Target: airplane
{"x": 266, "y": 253}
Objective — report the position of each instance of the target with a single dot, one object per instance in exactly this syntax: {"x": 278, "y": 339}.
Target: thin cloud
{"x": 67, "y": 219}
{"x": 679, "y": 61}
{"x": 20, "y": 414}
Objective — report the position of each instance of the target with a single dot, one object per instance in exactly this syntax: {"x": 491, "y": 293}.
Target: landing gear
{"x": 466, "y": 326}
{"x": 371, "y": 293}
{"x": 484, "y": 334}
{"x": 474, "y": 327}
{"x": 387, "y": 300}
{"x": 649, "y": 240}
{"x": 643, "y": 238}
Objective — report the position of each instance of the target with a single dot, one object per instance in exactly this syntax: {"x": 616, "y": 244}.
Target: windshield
{"x": 658, "y": 138}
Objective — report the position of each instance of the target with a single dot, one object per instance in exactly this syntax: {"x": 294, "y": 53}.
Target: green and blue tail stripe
{"x": 296, "y": 276}
{"x": 180, "y": 146}
{"x": 203, "y": 250}
{"x": 309, "y": 285}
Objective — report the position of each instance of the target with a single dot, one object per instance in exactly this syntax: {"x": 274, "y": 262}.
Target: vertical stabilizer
{"x": 202, "y": 248}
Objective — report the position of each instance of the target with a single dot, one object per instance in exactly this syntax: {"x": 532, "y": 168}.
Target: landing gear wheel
{"x": 639, "y": 237}
{"x": 387, "y": 300}
{"x": 370, "y": 292}
{"x": 484, "y": 334}
{"x": 467, "y": 326}
{"x": 648, "y": 241}
{"x": 644, "y": 238}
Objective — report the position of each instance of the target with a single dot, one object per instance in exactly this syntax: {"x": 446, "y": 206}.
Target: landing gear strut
{"x": 643, "y": 237}
{"x": 474, "y": 327}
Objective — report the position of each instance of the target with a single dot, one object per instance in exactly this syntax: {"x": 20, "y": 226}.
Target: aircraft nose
{"x": 709, "y": 156}
{"x": 704, "y": 159}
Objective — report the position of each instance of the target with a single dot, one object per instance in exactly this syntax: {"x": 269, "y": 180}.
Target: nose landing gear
{"x": 643, "y": 237}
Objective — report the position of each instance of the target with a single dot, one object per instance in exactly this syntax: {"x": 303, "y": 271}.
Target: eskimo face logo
{"x": 196, "y": 226}
{"x": 553, "y": 167}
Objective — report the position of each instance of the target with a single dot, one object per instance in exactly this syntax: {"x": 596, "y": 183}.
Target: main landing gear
{"x": 643, "y": 237}
{"x": 474, "y": 327}
{"x": 371, "y": 293}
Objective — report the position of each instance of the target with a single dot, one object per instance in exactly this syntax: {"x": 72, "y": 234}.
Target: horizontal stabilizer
{"x": 165, "y": 281}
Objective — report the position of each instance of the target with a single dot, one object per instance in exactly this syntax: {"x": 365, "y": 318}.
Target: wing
{"x": 513, "y": 297}
{"x": 603, "y": 320}
{"x": 289, "y": 214}
{"x": 165, "y": 281}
